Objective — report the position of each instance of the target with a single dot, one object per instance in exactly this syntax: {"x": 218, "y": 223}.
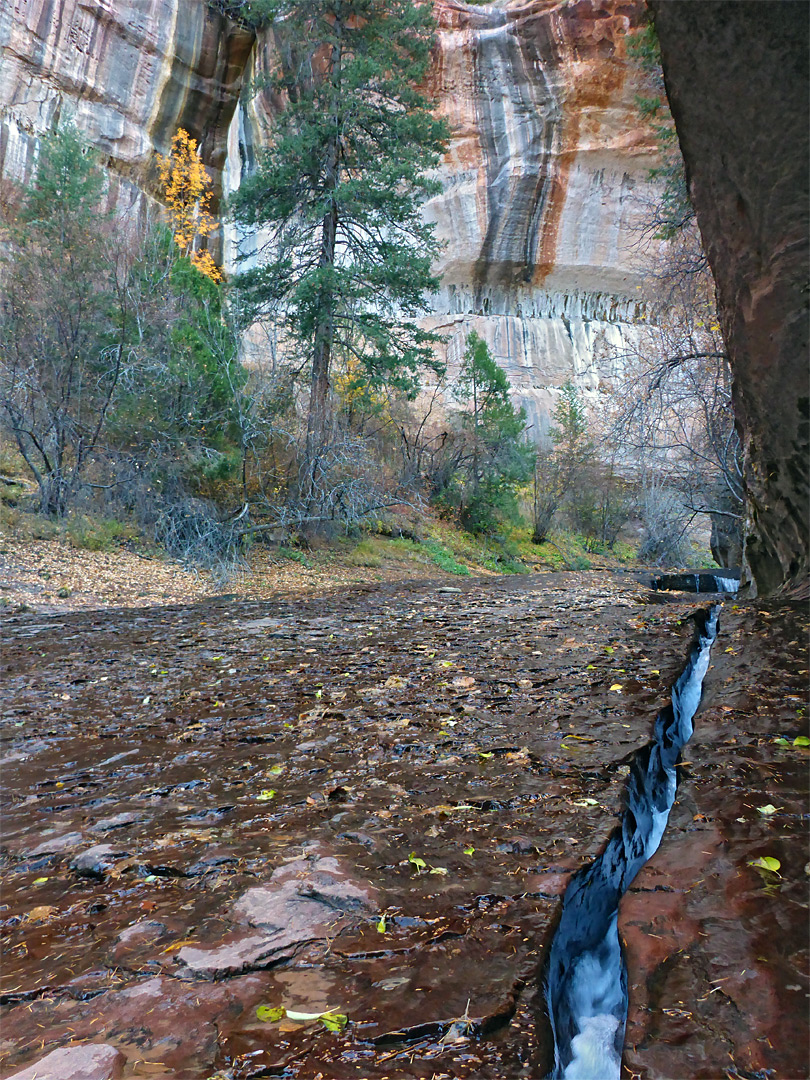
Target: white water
{"x": 594, "y": 986}
{"x": 726, "y": 584}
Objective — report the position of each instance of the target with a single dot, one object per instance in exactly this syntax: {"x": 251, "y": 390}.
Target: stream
{"x": 220, "y": 818}
{"x": 586, "y": 983}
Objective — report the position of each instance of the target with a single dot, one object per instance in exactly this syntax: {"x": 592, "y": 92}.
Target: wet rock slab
{"x": 90, "y": 1062}
{"x": 444, "y": 759}
{"x": 308, "y": 899}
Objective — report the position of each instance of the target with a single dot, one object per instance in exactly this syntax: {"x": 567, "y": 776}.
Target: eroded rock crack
{"x": 586, "y": 975}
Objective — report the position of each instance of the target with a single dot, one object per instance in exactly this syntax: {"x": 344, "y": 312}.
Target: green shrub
{"x": 365, "y": 554}
{"x": 441, "y": 557}
{"x": 97, "y": 534}
{"x": 295, "y": 556}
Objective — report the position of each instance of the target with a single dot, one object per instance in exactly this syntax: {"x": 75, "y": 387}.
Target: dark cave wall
{"x": 738, "y": 85}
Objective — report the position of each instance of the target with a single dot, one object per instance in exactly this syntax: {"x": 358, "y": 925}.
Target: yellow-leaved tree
{"x": 187, "y": 190}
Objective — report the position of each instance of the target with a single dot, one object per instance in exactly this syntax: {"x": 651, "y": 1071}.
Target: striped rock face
{"x": 545, "y": 180}
{"x": 128, "y": 72}
{"x": 546, "y": 185}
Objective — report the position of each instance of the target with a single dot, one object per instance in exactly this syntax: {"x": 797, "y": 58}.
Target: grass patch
{"x": 25, "y": 525}
{"x": 295, "y": 556}
{"x": 366, "y": 554}
{"x": 624, "y": 552}
{"x": 441, "y": 557}
{"x": 96, "y": 534}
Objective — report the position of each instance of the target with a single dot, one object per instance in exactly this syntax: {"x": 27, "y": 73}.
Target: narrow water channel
{"x": 586, "y": 975}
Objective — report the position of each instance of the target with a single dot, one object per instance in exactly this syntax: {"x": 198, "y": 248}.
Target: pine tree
{"x": 492, "y": 459}
{"x": 339, "y": 191}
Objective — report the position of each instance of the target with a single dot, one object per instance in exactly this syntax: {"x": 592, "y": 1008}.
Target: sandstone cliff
{"x": 545, "y": 181}
{"x": 737, "y": 79}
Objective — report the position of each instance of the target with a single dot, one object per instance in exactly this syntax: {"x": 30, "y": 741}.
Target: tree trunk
{"x": 53, "y": 494}
{"x": 318, "y": 417}
{"x": 317, "y": 420}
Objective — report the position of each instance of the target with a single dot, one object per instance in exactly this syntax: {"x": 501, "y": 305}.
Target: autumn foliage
{"x": 187, "y": 190}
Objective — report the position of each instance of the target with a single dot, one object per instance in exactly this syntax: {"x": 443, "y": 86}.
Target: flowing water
{"x": 586, "y": 982}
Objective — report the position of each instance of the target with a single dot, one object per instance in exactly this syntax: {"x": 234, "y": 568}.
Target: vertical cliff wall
{"x": 737, "y": 79}
{"x": 545, "y": 181}
{"x": 128, "y": 73}
{"x": 545, "y": 188}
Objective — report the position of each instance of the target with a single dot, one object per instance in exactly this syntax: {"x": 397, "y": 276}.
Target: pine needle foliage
{"x": 347, "y": 262}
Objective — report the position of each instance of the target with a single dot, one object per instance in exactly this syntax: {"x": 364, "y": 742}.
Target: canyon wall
{"x": 129, "y": 73}
{"x": 546, "y": 187}
{"x": 737, "y": 77}
{"x": 545, "y": 183}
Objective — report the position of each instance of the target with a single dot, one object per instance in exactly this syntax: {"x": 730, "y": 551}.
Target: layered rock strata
{"x": 129, "y": 74}
{"x": 546, "y": 186}
{"x": 737, "y": 79}
{"x": 545, "y": 180}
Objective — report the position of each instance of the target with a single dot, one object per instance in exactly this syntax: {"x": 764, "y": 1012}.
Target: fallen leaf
{"x": 179, "y": 945}
{"x": 768, "y": 809}
{"x": 266, "y": 795}
{"x": 617, "y": 686}
{"x": 766, "y": 862}
{"x": 41, "y": 913}
{"x": 270, "y": 1014}
{"x": 334, "y": 1021}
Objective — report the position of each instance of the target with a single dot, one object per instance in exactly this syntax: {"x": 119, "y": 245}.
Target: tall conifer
{"x": 338, "y": 192}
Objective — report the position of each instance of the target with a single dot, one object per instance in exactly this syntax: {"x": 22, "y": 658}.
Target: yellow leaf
{"x": 179, "y": 945}
{"x": 766, "y": 862}
{"x": 41, "y": 913}
{"x": 617, "y": 686}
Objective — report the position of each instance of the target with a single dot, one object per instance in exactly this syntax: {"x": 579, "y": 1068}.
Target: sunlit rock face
{"x": 546, "y": 186}
{"x": 128, "y": 72}
{"x": 737, "y": 76}
{"x": 545, "y": 180}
